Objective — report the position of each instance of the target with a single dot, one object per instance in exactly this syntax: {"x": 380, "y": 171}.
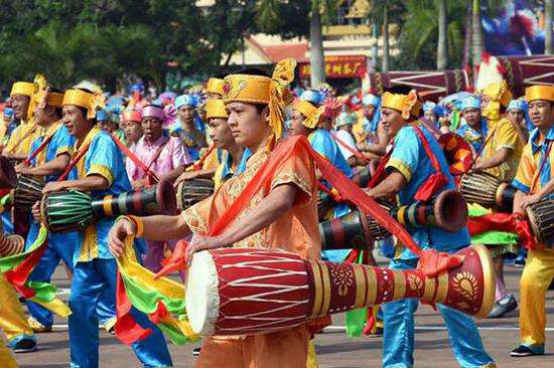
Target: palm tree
{"x": 321, "y": 11}
{"x": 386, "y": 45}
{"x": 478, "y": 39}
{"x": 548, "y": 15}
{"x": 442, "y": 47}
{"x": 317, "y": 55}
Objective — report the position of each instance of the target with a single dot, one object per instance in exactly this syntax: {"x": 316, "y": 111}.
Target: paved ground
{"x": 334, "y": 349}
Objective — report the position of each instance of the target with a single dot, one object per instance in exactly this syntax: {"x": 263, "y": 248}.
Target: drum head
{"x": 202, "y": 294}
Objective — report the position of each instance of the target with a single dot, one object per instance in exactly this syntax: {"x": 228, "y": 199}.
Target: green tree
{"x": 271, "y": 18}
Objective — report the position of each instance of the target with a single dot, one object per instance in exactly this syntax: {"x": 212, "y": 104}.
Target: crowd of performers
{"x": 215, "y": 143}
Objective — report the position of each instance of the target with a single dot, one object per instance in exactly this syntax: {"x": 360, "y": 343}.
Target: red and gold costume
{"x": 295, "y": 231}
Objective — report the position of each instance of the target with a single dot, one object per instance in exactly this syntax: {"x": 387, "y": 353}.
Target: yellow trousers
{"x": 6, "y": 358}
{"x": 12, "y": 318}
{"x": 537, "y": 276}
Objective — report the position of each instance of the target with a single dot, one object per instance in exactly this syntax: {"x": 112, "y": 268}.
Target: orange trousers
{"x": 288, "y": 349}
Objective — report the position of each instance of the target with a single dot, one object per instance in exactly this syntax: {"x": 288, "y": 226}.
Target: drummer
{"x": 410, "y": 169}
{"x": 534, "y": 182}
{"x": 229, "y": 153}
{"x": 253, "y": 101}
{"x": 100, "y": 171}
{"x": 49, "y": 163}
{"x": 132, "y": 126}
{"x": 19, "y": 144}
{"x": 166, "y": 157}
{"x": 498, "y": 150}
{"x": 186, "y": 126}
{"x": 376, "y": 138}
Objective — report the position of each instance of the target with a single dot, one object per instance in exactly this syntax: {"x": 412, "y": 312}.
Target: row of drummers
{"x": 68, "y": 211}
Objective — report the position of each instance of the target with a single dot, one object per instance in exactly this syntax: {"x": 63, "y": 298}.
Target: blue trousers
{"x": 398, "y": 340}
{"x": 61, "y": 247}
{"x": 90, "y": 279}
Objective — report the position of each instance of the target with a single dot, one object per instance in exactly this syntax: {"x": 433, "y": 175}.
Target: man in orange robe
{"x": 282, "y": 215}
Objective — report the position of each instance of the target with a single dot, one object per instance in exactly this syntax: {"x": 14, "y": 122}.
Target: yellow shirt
{"x": 502, "y": 134}
{"x": 22, "y": 138}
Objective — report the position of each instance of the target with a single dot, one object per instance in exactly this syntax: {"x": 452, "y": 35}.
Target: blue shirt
{"x": 61, "y": 143}
{"x": 103, "y": 158}
{"x": 323, "y": 143}
{"x": 475, "y": 138}
{"x": 410, "y": 158}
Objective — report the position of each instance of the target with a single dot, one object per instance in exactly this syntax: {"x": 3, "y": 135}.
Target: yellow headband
{"x": 42, "y": 96}
{"x": 22, "y": 88}
{"x": 216, "y": 109}
{"x": 215, "y": 86}
{"x": 264, "y": 90}
{"x": 539, "y": 92}
{"x": 308, "y": 111}
{"x": 408, "y": 105}
{"x": 89, "y": 101}
{"x": 498, "y": 92}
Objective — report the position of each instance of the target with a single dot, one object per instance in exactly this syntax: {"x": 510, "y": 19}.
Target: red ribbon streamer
{"x": 503, "y": 222}
{"x": 127, "y": 330}
{"x": 299, "y": 145}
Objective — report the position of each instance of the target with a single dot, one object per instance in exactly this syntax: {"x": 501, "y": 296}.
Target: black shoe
{"x": 503, "y": 307}
{"x": 524, "y": 351}
{"x": 196, "y": 351}
{"x": 25, "y": 345}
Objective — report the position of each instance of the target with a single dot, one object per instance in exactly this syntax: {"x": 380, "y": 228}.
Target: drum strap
{"x": 544, "y": 161}
{"x": 353, "y": 150}
{"x": 134, "y": 158}
{"x": 478, "y": 155}
{"x": 39, "y": 149}
{"x": 200, "y": 162}
{"x": 25, "y": 136}
{"x": 74, "y": 162}
{"x": 157, "y": 154}
{"x": 437, "y": 180}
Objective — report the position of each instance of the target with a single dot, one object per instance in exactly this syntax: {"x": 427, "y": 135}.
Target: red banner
{"x": 339, "y": 67}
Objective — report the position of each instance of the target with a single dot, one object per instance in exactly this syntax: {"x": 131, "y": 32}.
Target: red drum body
{"x": 434, "y": 84}
{"x": 248, "y": 290}
{"x": 253, "y": 291}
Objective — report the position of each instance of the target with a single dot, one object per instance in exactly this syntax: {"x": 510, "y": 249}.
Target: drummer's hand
{"x": 53, "y": 187}
{"x": 185, "y": 177}
{"x": 21, "y": 168}
{"x": 118, "y": 233}
{"x": 36, "y": 210}
{"x": 139, "y": 184}
{"x": 199, "y": 243}
{"x": 530, "y": 199}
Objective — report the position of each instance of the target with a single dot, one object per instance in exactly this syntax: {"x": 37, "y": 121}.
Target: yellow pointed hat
{"x": 409, "y": 105}
{"x": 263, "y": 90}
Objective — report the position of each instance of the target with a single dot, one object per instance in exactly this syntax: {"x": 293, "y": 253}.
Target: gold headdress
{"x": 42, "y": 94}
{"x": 500, "y": 95}
{"x": 312, "y": 114}
{"x": 215, "y": 86}
{"x": 93, "y": 102}
{"x": 408, "y": 105}
{"x": 264, "y": 90}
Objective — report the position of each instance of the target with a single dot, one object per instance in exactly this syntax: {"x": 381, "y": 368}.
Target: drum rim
{"x": 202, "y": 273}
{"x": 534, "y": 224}
{"x": 165, "y": 194}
